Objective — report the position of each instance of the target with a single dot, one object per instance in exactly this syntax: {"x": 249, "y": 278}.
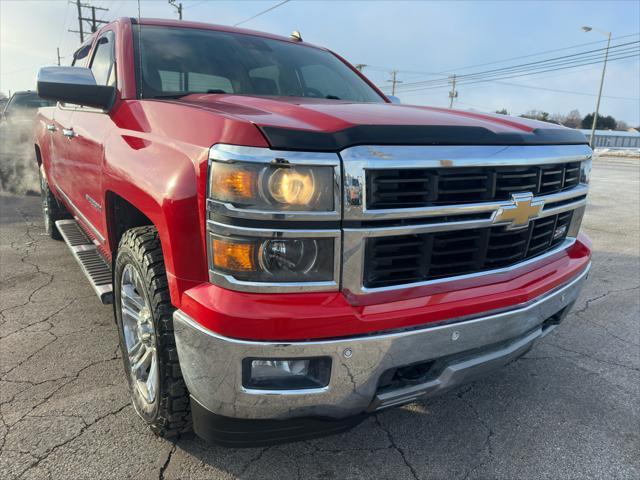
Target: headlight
{"x": 585, "y": 172}
{"x": 273, "y": 188}
{"x": 257, "y": 198}
{"x": 273, "y": 259}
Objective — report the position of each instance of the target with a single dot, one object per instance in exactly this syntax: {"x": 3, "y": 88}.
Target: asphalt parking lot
{"x": 568, "y": 409}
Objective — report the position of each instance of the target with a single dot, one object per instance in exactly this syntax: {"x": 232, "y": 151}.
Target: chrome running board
{"x": 85, "y": 252}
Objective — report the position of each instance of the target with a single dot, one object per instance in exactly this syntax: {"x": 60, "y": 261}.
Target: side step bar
{"x": 90, "y": 260}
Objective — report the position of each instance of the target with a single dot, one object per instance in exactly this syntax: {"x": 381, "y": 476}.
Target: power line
{"x": 261, "y": 13}
{"x": 93, "y": 21}
{"x": 535, "y": 72}
{"x": 570, "y": 92}
{"x": 18, "y": 70}
{"x": 107, "y": 5}
{"x": 64, "y": 25}
{"x": 486, "y": 84}
{"x": 411, "y": 72}
{"x": 446, "y": 74}
{"x": 525, "y": 69}
{"x": 119, "y": 6}
{"x": 522, "y": 74}
{"x": 589, "y": 54}
{"x": 535, "y": 54}
{"x": 196, "y": 4}
{"x": 431, "y": 87}
{"x": 545, "y": 68}
{"x": 489, "y": 83}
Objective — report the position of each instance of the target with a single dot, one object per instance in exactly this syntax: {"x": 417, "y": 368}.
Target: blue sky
{"x": 414, "y": 36}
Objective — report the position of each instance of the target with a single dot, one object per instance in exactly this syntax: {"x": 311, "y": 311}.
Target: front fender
{"x": 161, "y": 178}
{"x": 156, "y": 159}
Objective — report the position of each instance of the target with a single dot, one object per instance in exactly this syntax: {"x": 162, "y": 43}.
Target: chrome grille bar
{"x": 357, "y": 160}
{"x": 392, "y": 222}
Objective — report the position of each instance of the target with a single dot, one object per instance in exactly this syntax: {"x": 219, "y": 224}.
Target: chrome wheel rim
{"x": 45, "y": 203}
{"x": 139, "y": 336}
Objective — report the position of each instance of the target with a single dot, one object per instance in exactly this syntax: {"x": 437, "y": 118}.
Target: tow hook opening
{"x": 423, "y": 372}
{"x": 413, "y": 374}
{"x": 552, "y": 322}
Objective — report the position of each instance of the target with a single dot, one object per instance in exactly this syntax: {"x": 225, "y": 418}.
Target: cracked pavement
{"x": 568, "y": 409}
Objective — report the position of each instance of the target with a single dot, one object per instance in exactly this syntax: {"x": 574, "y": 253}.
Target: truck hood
{"x": 330, "y": 125}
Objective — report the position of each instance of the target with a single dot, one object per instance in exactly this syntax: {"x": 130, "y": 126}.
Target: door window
{"x": 103, "y": 64}
{"x": 80, "y": 56}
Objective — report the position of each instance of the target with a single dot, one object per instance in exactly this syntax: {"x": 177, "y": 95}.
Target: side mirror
{"x": 393, "y": 99}
{"x": 74, "y": 85}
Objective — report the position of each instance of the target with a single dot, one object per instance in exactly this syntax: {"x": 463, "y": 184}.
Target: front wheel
{"x": 52, "y": 211}
{"x": 143, "y": 313}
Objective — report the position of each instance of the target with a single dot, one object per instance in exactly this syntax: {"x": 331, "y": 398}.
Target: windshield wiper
{"x": 332, "y": 97}
{"x": 173, "y": 95}
{"x": 184, "y": 94}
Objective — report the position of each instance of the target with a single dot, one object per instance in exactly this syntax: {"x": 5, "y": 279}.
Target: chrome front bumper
{"x": 212, "y": 364}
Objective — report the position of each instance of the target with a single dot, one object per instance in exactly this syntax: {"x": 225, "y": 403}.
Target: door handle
{"x": 51, "y": 127}
{"x": 68, "y": 132}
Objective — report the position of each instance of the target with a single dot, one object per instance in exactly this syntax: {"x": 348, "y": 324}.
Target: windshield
{"x": 28, "y": 101}
{"x": 179, "y": 61}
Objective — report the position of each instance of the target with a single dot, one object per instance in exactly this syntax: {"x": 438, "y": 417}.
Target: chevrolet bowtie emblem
{"x": 523, "y": 209}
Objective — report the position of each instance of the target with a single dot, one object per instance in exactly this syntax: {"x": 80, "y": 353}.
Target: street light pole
{"x": 604, "y": 68}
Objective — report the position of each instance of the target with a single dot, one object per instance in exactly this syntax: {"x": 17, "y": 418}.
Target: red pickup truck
{"x": 286, "y": 250}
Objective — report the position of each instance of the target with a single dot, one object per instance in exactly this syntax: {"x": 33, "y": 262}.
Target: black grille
{"x": 415, "y": 258}
{"x": 421, "y": 187}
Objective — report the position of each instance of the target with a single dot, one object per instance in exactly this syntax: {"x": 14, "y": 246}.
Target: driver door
{"x": 91, "y": 127}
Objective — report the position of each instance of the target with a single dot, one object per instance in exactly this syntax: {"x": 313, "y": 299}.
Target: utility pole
{"x": 453, "y": 94}
{"x": 93, "y": 22}
{"x": 604, "y": 68}
{"x": 94, "y": 27}
{"x": 58, "y": 50}
{"x": 393, "y": 81}
{"x": 80, "y": 21}
{"x": 595, "y": 115}
{"x": 178, "y": 7}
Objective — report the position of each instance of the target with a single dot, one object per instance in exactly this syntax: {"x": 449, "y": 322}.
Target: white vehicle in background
{"x": 17, "y": 172}
{"x": 22, "y": 107}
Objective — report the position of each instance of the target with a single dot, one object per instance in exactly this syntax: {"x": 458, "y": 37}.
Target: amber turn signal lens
{"x": 231, "y": 256}
{"x": 230, "y": 184}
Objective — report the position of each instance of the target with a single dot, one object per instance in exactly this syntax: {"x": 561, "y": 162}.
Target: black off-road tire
{"x": 52, "y": 210}
{"x": 140, "y": 247}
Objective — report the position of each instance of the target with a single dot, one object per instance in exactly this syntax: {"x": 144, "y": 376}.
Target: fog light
{"x": 286, "y": 373}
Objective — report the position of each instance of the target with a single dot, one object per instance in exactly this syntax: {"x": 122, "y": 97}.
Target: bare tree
{"x": 536, "y": 115}
{"x": 573, "y": 119}
{"x": 622, "y": 125}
